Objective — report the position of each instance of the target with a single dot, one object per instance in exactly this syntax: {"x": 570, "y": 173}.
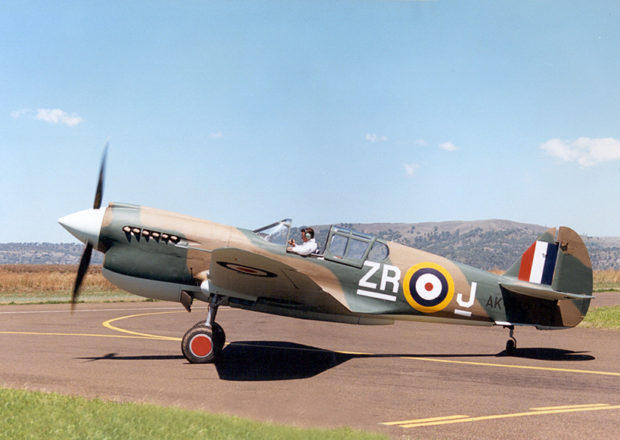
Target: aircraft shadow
{"x": 274, "y": 360}
{"x": 115, "y": 357}
{"x": 549, "y": 354}
{"x": 263, "y": 361}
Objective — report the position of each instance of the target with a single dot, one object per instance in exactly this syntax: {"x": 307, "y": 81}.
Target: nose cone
{"x": 84, "y": 225}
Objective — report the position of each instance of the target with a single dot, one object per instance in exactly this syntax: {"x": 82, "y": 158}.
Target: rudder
{"x": 560, "y": 259}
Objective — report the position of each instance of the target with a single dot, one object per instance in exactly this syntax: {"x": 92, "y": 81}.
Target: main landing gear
{"x": 511, "y": 344}
{"x": 204, "y": 342}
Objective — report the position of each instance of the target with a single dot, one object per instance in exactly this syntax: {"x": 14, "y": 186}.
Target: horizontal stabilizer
{"x": 541, "y": 291}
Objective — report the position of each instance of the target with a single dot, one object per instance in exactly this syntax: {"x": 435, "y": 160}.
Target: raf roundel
{"x": 428, "y": 287}
{"x": 247, "y": 270}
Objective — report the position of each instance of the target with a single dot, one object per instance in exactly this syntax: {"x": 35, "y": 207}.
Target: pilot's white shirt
{"x": 306, "y": 248}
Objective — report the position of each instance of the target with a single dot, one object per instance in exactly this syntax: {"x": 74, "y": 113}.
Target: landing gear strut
{"x": 511, "y": 344}
{"x": 205, "y": 340}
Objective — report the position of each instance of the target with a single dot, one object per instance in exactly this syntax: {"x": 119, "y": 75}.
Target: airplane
{"x": 355, "y": 278}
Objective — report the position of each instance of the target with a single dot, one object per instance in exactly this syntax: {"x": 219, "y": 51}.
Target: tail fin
{"x": 560, "y": 260}
{"x": 536, "y": 263}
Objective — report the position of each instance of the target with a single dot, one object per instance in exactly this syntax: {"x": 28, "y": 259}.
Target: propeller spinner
{"x": 85, "y": 226}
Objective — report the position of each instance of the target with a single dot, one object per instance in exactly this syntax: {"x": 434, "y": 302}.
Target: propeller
{"x": 88, "y": 250}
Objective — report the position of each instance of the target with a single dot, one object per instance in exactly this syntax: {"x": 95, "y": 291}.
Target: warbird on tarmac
{"x": 356, "y": 278}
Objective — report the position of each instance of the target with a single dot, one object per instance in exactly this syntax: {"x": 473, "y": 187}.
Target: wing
{"x": 256, "y": 278}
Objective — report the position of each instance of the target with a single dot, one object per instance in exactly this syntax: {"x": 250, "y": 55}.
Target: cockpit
{"x": 338, "y": 244}
{"x": 276, "y": 233}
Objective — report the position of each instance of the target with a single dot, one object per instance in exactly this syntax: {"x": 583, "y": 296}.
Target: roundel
{"x": 247, "y": 270}
{"x": 428, "y": 287}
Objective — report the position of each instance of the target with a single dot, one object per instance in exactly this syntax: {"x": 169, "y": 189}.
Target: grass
{"x": 26, "y": 278}
{"x": 606, "y": 280}
{"x": 33, "y": 415}
{"x": 46, "y": 283}
{"x": 59, "y": 297}
{"x": 602, "y": 317}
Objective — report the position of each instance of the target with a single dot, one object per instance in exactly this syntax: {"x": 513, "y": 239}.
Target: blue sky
{"x": 245, "y": 112}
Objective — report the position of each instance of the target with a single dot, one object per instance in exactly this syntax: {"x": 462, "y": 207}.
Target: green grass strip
{"x": 37, "y": 415}
{"x": 57, "y": 297}
{"x": 603, "y": 317}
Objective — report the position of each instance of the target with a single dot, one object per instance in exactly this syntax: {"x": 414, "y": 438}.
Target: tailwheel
{"x": 511, "y": 344}
{"x": 199, "y": 345}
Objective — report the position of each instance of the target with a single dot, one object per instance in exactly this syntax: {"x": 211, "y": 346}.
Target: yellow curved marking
{"x": 436, "y": 421}
{"x": 108, "y": 324}
{"x": 138, "y": 335}
{"x": 524, "y": 367}
{"x": 94, "y": 335}
{"x": 407, "y": 288}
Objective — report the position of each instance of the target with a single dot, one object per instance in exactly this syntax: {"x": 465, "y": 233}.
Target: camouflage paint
{"x": 409, "y": 284}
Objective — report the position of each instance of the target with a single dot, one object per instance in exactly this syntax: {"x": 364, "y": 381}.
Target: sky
{"x": 325, "y": 111}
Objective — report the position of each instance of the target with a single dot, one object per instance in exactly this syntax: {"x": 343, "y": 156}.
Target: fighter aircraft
{"x": 355, "y": 278}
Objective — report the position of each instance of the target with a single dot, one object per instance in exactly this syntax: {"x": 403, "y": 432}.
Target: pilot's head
{"x": 307, "y": 234}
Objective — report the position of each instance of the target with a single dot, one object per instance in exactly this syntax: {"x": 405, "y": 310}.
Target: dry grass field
{"x": 24, "y": 283}
{"x": 36, "y": 283}
{"x": 49, "y": 277}
{"x": 606, "y": 280}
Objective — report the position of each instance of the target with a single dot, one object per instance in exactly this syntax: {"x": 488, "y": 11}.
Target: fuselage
{"x": 160, "y": 254}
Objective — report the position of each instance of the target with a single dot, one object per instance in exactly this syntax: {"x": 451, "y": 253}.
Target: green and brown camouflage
{"x": 356, "y": 278}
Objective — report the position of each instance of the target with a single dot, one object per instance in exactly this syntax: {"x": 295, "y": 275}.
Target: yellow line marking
{"x": 533, "y": 412}
{"x": 429, "y": 419}
{"x": 524, "y": 367}
{"x": 570, "y": 406}
{"x": 109, "y": 325}
{"x": 95, "y": 335}
{"x": 488, "y": 364}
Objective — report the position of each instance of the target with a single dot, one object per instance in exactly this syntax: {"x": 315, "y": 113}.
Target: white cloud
{"x": 410, "y": 168}
{"x": 19, "y": 113}
{"x": 218, "y": 135}
{"x": 585, "y": 151}
{"x": 420, "y": 143}
{"x": 58, "y": 116}
{"x": 49, "y": 115}
{"x": 448, "y": 146}
{"x": 371, "y": 137}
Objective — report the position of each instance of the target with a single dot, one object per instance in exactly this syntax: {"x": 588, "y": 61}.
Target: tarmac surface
{"x": 408, "y": 380}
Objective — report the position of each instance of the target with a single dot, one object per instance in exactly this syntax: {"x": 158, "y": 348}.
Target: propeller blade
{"x": 84, "y": 262}
{"x": 99, "y": 192}
{"x": 88, "y": 250}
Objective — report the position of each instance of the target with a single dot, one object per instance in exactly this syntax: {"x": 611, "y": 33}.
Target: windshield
{"x": 276, "y": 233}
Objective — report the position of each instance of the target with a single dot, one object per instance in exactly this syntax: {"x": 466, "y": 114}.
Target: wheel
{"x": 199, "y": 323}
{"x": 511, "y": 346}
{"x": 198, "y": 345}
{"x": 219, "y": 337}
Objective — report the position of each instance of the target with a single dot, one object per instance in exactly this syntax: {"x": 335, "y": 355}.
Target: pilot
{"x": 308, "y": 246}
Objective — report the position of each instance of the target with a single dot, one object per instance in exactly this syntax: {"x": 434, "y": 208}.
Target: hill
{"x": 487, "y": 244}
{"x": 44, "y": 253}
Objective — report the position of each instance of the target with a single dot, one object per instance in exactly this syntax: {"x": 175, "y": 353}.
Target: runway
{"x": 405, "y": 380}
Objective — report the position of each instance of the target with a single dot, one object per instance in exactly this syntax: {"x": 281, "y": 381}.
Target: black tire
{"x": 219, "y": 337}
{"x": 511, "y": 347}
{"x": 198, "y": 345}
{"x": 199, "y": 323}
